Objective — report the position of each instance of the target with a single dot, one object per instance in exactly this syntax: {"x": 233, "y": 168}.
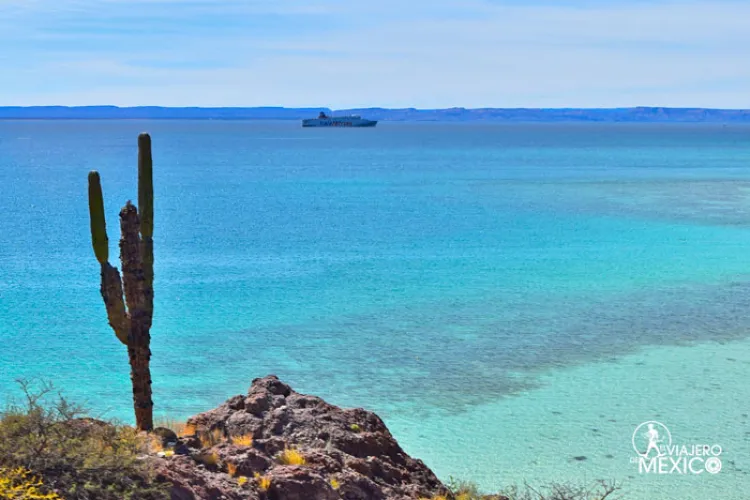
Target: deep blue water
{"x": 418, "y": 270}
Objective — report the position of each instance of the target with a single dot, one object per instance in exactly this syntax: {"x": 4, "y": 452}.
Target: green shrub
{"x": 76, "y": 457}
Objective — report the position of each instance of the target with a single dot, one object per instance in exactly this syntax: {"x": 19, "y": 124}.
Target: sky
{"x": 364, "y": 53}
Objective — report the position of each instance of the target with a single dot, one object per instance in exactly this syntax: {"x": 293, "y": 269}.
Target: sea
{"x": 514, "y": 300}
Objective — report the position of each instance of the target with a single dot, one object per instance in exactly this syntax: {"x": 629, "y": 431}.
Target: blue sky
{"x": 391, "y": 53}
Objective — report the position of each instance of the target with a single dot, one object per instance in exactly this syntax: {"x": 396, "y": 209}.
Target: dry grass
{"x": 212, "y": 438}
{"x": 599, "y": 490}
{"x": 155, "y": 444}
{"x": 232, "y": 469}
{"x": 463, "y": 490}
{"x": 208, "y": 459}
{"x": 264, "y": 482}
{"x": 177, "y": 426}
{"x": 290, "y": 456}
{"x": 244, "y": 440}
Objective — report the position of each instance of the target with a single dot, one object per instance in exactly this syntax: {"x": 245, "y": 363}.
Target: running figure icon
{"x": 653, "y": 440}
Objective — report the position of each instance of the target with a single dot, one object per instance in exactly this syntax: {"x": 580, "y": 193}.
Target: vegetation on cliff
{"x": 50, "y": 450}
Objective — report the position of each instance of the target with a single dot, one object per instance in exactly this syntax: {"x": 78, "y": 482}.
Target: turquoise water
{"x": 494, "y": 292}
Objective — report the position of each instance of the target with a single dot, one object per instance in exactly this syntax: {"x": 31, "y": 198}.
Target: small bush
{"x": 290, "y": 456}
{"x": 20, "y": 484}
{"x": 156, "y": 445}
{"x": 76, "y": 457}
{"x": 208, "y": 459}
{"x": 464, "y": 490}
{"x": 264, "y": 482}
{"x": 231, "y": 469}
{"x": 600, "y": 490}
{"x": 177, "y": 426}
{"x": 244, "y": 440}
{"x": 212, "y": 438}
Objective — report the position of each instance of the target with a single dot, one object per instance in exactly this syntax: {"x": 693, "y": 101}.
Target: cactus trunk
{"x": 139, "y": 353}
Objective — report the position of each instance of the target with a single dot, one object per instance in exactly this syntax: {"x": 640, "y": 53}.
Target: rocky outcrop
{"x": 277, "y": 444}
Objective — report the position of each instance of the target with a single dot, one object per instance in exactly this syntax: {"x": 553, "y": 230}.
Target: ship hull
{"x": 338, "y": 122}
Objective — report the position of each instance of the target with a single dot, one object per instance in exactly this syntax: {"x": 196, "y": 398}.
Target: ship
{"x": 324, "y": 120}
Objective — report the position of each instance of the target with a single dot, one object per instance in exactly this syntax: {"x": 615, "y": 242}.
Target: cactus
{"x": 98, "y": 224}
{"x": 145, "y": 186}
{"x": 129, "y": 299}
{"x": 146, "y": 204}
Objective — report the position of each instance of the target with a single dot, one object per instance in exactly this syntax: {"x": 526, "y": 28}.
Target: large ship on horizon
{"x": 324, "y": 120}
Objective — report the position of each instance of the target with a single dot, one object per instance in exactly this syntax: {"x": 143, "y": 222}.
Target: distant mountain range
{"x": 638, "y": 114}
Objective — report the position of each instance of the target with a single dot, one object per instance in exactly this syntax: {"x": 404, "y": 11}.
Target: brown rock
{"x": 349, "y": 453}
{"x": 299, "y": 483}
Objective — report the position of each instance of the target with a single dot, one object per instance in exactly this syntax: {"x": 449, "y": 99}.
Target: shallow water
{"x": 463, "y": 281}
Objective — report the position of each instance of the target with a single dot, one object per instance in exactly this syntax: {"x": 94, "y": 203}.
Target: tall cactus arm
{"x": 99, "y": 238}
{"x": 112, "y": 294}
{"x": 146, "y": 216}
{"x": 111, "y": 287}
{"x": 145, "y": 186}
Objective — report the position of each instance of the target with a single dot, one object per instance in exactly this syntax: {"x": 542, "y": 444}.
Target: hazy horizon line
{"x": 386, "y": 108}
{"x": 455, "y": 114}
